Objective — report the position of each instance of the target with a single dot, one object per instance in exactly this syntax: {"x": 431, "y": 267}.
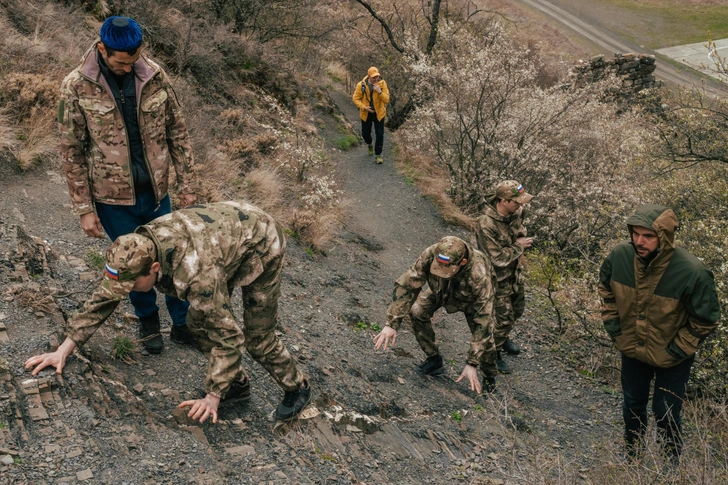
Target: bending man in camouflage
{"x": 502, "y": 236}
{"x": 201, "y": 254}
{"x": 459, "y": 278}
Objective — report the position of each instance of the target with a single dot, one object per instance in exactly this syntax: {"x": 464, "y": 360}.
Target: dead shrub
{"x": 266, "y": 143}
{"x": 264, "y": 188}
{"x": 37, "y": 142}
{"x": 233, "y": 117}
{"x": 242, "y": 149}
{"x": 23, "y": 94}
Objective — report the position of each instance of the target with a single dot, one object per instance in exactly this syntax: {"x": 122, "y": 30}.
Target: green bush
{"x": 347, "y": 142}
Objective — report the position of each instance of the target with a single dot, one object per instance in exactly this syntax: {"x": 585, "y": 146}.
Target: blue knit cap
{"x": 121, "y": 34}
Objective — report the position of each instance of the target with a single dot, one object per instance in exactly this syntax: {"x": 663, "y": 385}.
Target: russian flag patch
{"x": 442, "y": 259}
{"x": 112, "y": 273}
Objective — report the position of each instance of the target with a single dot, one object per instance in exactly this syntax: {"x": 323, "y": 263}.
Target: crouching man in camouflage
{"x": 459, "y": 278}
{"x": 201, "y": 254}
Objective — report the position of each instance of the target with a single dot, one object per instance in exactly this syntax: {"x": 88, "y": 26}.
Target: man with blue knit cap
{"x": 121, "y": 125}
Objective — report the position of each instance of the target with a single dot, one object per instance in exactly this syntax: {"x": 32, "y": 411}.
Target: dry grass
{"x": 432, "y": 182}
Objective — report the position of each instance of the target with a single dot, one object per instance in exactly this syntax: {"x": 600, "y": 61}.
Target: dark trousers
{"x": 366, "y": 132}
{"x": 667, "y": 400}
{"x": 118, "y": 220}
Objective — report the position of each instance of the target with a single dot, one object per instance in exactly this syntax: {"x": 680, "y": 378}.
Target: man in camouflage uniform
{"x": 502, "y": 236}
{"x": 201, "y": 254}
{"x": 121, "y": 125}
{"x": 459, "y": 278}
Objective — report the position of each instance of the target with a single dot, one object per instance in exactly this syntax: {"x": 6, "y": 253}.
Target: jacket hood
{"x": 660, "y": 219}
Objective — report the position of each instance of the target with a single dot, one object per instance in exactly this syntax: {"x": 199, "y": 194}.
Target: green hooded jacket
{"x": 659, "y": 311}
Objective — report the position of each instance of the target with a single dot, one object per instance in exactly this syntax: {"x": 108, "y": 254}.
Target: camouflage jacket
{"x": 94, "y": 141}
{"x": 471, "y": 290}
{"x": 204, "y": 251}
{"x": 496, "y": 236}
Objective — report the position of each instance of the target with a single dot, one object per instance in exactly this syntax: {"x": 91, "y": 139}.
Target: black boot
{"x": 239, "y": 391}
{"x": 181, "y": 334}
{"x": 294, "y": 402}
{"x": 149, "y": 333}
{"x": 510, "y": 347}
{"x": 503, "y": 367}
{"x": 432, "y": 366}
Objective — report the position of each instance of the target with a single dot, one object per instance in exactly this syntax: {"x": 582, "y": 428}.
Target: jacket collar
{"x": 89, "y": 68}
{"x": 493, "y": 213}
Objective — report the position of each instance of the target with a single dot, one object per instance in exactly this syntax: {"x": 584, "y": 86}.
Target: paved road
{"x": 611, "y": 44}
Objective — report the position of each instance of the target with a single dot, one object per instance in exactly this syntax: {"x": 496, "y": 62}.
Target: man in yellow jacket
{"x": 371, "y": 96}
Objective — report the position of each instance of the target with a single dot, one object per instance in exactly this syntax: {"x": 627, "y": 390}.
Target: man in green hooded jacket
{"x": 659, "y": 304}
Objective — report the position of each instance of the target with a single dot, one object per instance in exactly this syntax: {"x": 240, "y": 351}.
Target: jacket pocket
{"x": 154, "y": 105}
{"x": 613, "y": 327}
{"x": 99, "y": 114}
{"x": 154, "y": 113}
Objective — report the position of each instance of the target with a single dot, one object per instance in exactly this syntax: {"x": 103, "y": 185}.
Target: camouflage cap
{"x": 128, "y": 258}
{"x": 512, "y": 190}
{"x": 449, "y": 252}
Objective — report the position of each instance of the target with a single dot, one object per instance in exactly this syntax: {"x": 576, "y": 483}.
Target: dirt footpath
{"x": 374, "y": 420}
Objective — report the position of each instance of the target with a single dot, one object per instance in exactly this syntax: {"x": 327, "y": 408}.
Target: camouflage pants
{"x": 509, "y": 305}
{"x": 425, "y": 306}
{"x": 225, "y": 343}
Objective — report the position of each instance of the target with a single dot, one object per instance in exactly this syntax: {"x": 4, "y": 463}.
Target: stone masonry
{"x": 635, "y": 70}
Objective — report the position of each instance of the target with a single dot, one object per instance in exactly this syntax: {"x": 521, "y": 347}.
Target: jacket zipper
{"x": 157, "y": 202}
{"x": 126, "y": 135}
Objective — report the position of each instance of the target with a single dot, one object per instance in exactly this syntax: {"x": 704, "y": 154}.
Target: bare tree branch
{"x": 384, "y": 25}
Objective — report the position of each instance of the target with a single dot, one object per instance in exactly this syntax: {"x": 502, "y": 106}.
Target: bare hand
{"x": 91, "y": 225}
{"x": 377, "y": 88}
{"x": 383, "y": 338}
{"x": 186, "y": 200}
{"x": 55, "y": 359}
{"x": 369, "y": 108}
{"x": 202, "y": 408}
{"x": 472, "y": 374}
{"x": 525, "y": 242}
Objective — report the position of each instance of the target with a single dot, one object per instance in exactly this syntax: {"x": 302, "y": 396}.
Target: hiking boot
{"x": 294, "y": 402}
{"x": 149, "y": 334}
{"x": 511, "y": 348}
{"x": 370, "y": 150}
{"x": 239, "y": 391}
{"x": 503, "y": 367}
{"x": 379, "y": 159}
{"x": 488, "y": 384}
{"x": 181, "y": 334}
{"x": 432, "y": 366}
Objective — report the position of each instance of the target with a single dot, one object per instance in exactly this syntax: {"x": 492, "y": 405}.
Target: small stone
{"x": 139, "y": 388}
{"x": 85, "y": 474}
{"x": 7, "y": 460}
{"x": 400, "y": 380}
{"x": 352, "y": 429}
{"x": 150, "y": 372}
{"x": 74, "y": 453}
{"x": 86, "y": 276}
{"x": 52, "y": 448}
{"x": 241, "y": 450}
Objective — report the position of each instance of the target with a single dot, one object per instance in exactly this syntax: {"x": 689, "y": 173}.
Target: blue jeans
{"x": 118, "y": 220}
{"x": 667, "y": 400}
